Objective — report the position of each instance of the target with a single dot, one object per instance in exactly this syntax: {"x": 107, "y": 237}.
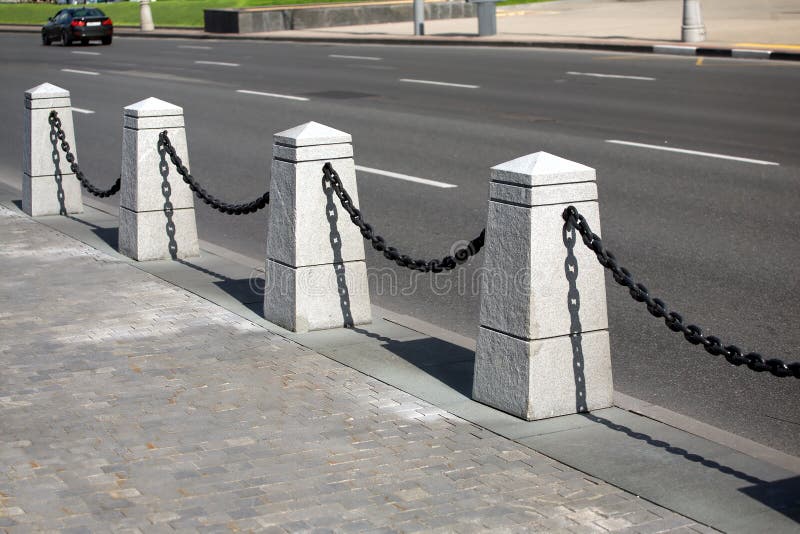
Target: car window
{"x": 63, "y": 16}
{"x": 89, "y": 13}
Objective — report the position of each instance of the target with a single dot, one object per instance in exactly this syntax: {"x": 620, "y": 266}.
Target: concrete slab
{"x": 704, "y": 480}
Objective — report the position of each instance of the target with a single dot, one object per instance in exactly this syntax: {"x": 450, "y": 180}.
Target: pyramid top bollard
{"x": 542, "y": 168}
{"x": 312, "y": 141}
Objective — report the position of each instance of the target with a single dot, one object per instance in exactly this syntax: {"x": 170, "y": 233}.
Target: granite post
{"x": 316, "y": 277}
{"x": 156, "y": 207}
{"x": 49, "y": 187}
{"x": 543, "y": 347}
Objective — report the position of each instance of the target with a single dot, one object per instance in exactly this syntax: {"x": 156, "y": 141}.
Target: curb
{"x": 655, "y": 48}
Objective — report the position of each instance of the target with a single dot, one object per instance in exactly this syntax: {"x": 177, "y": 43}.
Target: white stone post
{"x": 145, "y": 16}
{"x": 692, "y": 30}
{"x": 49, "y": 187}
{"x": 316, "y": 277}
{"x": 542, "y": 348}
{"x": 156, "y": 207}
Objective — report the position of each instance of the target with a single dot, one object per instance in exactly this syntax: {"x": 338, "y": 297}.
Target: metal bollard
{"x": 543, "y": 347}
{"x": 49, "y": 187}
{"x": 316, "y": 277}
{"x": 156, "y": 213}
{"x": 487, "y": 16}
{"x": 692, "y": 30}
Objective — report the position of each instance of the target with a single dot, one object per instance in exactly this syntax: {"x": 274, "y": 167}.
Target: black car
{"x": 78, "y": 24}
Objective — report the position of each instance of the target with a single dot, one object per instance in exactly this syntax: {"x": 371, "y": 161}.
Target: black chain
{"x": 231, "y": 209}
{"x": 461, "y": 255}
{"x": 55, "y": 122}
{"x": 658, "y": 308}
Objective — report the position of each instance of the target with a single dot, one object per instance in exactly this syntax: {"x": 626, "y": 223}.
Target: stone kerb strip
{"x": 49, "y": 187}
{"x": 156, "y": 213}
{"x": 543, "y": 346}
{"x": 316, "y": 276}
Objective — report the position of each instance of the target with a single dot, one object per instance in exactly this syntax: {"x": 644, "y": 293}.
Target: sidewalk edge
{"x": 664, "y": 48}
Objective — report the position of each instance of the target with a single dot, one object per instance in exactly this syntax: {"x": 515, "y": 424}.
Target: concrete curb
{"x": 639, "y": 47}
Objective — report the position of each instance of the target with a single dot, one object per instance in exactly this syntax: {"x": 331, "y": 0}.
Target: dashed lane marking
{"x": 87, "y": 72}
{"x": 431, "y": 82}
{"x": 406, "y": 177}
{"x": 692, "y": 152}
{"x": 365, "y": 58}
{"x": 618, "y": 76}
{"x": 218, "y": 63}
{"x": 273, "y": 95}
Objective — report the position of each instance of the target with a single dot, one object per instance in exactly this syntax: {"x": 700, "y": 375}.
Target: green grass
{"x": 166, "y": 13}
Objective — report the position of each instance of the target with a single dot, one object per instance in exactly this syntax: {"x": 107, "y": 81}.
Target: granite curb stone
{"x": 645, "y": 47}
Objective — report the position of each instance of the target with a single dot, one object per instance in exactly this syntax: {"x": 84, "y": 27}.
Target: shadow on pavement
{"x": 705, "y": 462}
{"x": 448, "y": 363}
{"x": 781, "y": 495}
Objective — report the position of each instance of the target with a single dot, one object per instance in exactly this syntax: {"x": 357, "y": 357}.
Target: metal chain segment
{"x": 461, "y": 255}
{"x": 55, "y": 122}
{"x": 674, "y": 321}
{"x": 219, "y": 205}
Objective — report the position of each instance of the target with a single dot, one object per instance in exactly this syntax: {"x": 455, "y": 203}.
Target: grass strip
{"x": 166, "y": 13}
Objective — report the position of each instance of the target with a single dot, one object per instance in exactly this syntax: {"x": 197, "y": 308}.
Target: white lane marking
{"x": 692, "y": 152}
{"x": 81, "y": 52}
{"x": 429, "y": 82}
{"x": 81, "y": 110}
{"x": 365, "y": 58}
{"x": 90, "y": 73}
{"x": 598, "y": 75}
{"x": 425, "y": 181}
{"x": 220, "y": 63}
{"x": 194, "y": 47}
{"x": 288, "y": 97}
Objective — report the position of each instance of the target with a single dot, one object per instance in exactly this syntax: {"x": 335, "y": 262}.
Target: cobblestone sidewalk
{"x": 128, "y": 404}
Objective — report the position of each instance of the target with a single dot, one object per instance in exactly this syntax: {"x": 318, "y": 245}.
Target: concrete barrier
{"x": 543, "y": 347}
{"x": 49, "y": 187}
{"x": 156, "y": 210}
{"x": 316, "y": 276}
{"x": 269, "y": 19}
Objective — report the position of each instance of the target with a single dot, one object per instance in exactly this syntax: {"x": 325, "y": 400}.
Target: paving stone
{"x": 133, "y": 406}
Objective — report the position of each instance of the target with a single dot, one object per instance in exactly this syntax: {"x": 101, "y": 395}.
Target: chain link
{"x": 674, "y": 321}
{"x": 461, "y": 255}
{"x": 231, "y": 209}
{"x": 55, "y": 122}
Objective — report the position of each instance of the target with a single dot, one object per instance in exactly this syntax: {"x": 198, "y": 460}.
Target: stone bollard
{"x": 543, "y": 347}
{"x": 316, "y": 277}
{"x": 49, "y": 187}
{"x": 156, "y": 207}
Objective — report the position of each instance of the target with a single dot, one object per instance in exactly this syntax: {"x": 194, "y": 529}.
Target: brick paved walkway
{"x": 128, "y": 404}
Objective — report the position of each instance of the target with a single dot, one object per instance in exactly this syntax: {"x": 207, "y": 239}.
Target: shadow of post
{"x": 169, "y": 210}
{"x": 332, "y": 214}
{"x": 569, "y": 236}
{"x": 705, "y": 462}
{"x": 59, "y": 177}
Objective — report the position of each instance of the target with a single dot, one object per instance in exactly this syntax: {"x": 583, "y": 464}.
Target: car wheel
{"x": 46, "y": 40}
{"x": 66, "y": 40}
{"x": 106, "y": 40}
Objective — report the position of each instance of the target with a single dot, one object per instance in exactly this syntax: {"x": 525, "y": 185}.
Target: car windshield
{"x": 88, "y": 13}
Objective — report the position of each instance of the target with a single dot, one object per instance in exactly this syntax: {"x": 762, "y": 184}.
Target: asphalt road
{"x": 715, "y": 238}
